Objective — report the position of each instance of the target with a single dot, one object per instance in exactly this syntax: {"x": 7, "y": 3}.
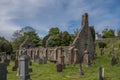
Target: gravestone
{"x": 3, "y": 71}
{"x": 81, "y": 70}
{"x": 40, "y": 61}
{"x": 45, "y": 60}
{"x": 33, "y": 57}
{"x": 86, "y": 58}
{"x": 63, "y": 61}
{"x": 59, "y": 60}
{"x": 100, "y": 77}
{"x": 70, "y": 55}
{"x": 75, "y": 56}
{"x": 23, "y": 67}
{"x": 114, "y": 60}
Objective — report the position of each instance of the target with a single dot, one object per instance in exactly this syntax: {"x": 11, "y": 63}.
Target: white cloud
{"x": 43, "y": 14}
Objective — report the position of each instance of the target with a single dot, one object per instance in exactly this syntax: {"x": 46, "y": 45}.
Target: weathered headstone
{"x": 40, "y": 61}
{"x": 81, "y": 70}
{"x": 100, "y": 77}
{"x": 70, "y": 54}
{"x": 86, "y": 58}
{"x": 23, "y": 67}
{"x": 33, "y": 57}
{"x": 75, "y": 56}
{"x": 114, "y": 60}
{"x": 63, "y": 61}
{"x": 3, "y": 71}
{"x": 45, "y": 60}
{"x": 59, "y": 60}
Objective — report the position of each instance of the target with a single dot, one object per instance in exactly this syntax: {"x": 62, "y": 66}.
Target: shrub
{"x": 102, "y": 44}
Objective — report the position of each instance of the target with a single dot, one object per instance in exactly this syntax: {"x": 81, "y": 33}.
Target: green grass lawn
{"x": 48, "y": 71}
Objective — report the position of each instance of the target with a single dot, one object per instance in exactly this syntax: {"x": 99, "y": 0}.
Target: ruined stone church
{"x": 72, "y": 54}
{"x": 84, "y": 40}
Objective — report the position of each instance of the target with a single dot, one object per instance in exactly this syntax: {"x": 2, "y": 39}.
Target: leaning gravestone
{"x": 23, "y": 67}
{"x": 3, "y": 71}
{"x": 114, "y": 60}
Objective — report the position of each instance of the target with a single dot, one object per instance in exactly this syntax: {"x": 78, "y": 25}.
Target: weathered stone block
{"x": 59, "y": 67}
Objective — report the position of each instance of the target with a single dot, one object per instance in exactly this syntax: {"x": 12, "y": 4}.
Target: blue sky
{"x": 65, "y": 14}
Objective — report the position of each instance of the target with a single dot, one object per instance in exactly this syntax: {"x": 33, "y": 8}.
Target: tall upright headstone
{"x": 100, "y": 77}
{"x": 23, "y": 67}
{"x": 75, "y": 56}
{"x": 71, "y": 55}
{"x": 59, "y": 60}
{"x": 3, "y": 71}
{"x": 86, "y": 58}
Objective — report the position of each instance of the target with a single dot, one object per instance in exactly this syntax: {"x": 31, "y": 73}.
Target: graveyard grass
{"x": 48, "y": 71}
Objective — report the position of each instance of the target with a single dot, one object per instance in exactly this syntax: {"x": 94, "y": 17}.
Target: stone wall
{"x": 52, "y": 53}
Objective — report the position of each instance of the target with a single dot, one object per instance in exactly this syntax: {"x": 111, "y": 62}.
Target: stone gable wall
{"x": 84, "y": 39}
